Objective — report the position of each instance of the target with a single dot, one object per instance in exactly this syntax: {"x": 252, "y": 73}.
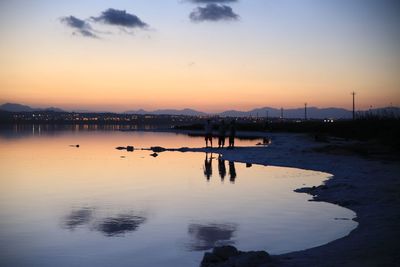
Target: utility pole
{"x": 305, "y": 111}
{"x": 354, "y": 105}
{"x": 281, "y": 113}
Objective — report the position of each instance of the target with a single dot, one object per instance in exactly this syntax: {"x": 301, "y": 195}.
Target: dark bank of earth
{"x": 229, "y": 256}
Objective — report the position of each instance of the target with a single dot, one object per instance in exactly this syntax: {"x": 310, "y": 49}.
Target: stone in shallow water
{"x": 158, "y": 149}
{"x": 225, "y": 252}
{"x": 127, "y": 148}
{"x": 252, "y": 259}
{"x": 229, "y": 256}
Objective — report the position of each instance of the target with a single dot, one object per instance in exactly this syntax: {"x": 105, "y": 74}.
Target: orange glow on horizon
{"x": 203, "y": 67}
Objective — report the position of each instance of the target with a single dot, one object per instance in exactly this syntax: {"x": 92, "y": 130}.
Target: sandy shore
{"x": 370, "y": 187}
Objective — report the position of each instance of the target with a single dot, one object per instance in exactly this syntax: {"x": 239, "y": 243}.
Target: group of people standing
{"x": 223, "y": 129}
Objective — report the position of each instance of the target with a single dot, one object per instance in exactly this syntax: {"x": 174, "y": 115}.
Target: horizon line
{"x": 88, "y": 110}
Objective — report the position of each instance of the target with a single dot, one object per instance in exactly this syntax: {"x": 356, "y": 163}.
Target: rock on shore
{"x": 229, "y": 256}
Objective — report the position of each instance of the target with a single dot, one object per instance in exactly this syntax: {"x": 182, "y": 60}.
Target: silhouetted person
{"x": 266, "y": 141}
{"x": 232, "y": 172}
{"x": 221, "y": 167}
{"x": 208, "y": 167}
{"x": 208, "y": 132}
{"x": 232, "y": 134}
{"x": 221, "y": 134}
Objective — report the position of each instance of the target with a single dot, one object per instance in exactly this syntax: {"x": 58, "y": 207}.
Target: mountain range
{"x": 12, "y": 107}
{"x": 186, "y": 111}
{"x": 312, "y": 112}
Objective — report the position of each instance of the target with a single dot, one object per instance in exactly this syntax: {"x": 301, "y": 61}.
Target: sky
{"x": 210, "y": 55}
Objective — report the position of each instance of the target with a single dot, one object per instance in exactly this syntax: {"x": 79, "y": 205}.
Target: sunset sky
{"x": 205, "y": 54}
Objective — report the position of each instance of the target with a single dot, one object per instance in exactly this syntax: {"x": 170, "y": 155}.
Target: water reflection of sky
{"x": 17, "y": 131}
{"x": 208, "y": 167}
{"x": 122, "y": 208}
{"x": 120, "y": 224}
{"x": 78, "y": 218}
{"x": 206, "y": 236}
{"x": 117, "y": 225}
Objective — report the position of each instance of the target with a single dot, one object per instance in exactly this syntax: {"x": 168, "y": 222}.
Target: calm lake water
{"x": 97, "y": 206}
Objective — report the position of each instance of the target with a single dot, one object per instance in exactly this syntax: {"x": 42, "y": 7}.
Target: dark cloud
{"x": 120, "y": 18}
{"x": 211, "y": 1}
{"x": 205, "y": 237}
{"x": 213, "y": 12}
{"x": 81, "y": 27}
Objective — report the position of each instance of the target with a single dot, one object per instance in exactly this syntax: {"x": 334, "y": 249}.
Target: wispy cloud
{"x": 213, "y": 12}
{"x": 120, "y": 18}
{"x": 80, "y": 26}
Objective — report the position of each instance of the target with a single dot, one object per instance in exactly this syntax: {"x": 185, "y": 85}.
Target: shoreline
{"x": 370, "y": 187}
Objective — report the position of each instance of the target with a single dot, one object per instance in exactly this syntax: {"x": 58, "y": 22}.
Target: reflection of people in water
{"x": 208, "y": 167}
{"x": 208, "y": 132}
{"x": 221, "y": 167}
{"x": 232, "y": 171}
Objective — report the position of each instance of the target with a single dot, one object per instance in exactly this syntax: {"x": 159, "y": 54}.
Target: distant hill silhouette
{"x": 54, "y": 109}
{"x": 186, "y": 111}
{"x": 13, "y": 107}
{"x": 312, "y": 112}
